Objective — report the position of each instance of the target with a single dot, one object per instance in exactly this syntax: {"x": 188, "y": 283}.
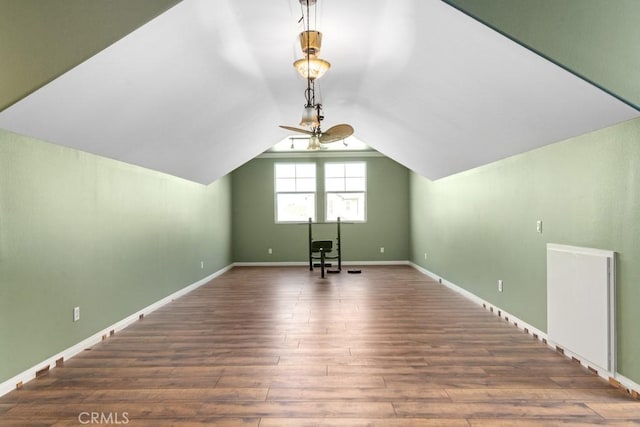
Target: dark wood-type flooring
{"x": 282, "y": 347}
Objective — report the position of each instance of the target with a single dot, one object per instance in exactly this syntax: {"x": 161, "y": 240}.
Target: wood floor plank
{"x": 617, "y": 410}
{"x": 552, "y": 370}
{"x": 204, "y": 422}
{"x": 296, "y": 360}
{"x": 519, "y": 422}
{"x": 283, "y": 347}
{"x": 357, "y": 393}
{"x": 74, "y": 384}
{"x": 395, "y": 371}
{"x": 134, "y": 410}
{"x": 313, "y": 381}
{"x": 42, "y": 396}
{"x": 468, "y": 381}
{"x": 537, "y": 394}
{"x": 554, "y": 410}
{"x": 581, "y": 381}
{"x": 4, "y": 407}
{"x": 179, "y": 395}
{"x": 361, "y": 422}
{"x": 306, "y": 409}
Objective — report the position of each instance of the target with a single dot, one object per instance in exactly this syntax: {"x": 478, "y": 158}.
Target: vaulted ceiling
{"x": 200, "y": 86}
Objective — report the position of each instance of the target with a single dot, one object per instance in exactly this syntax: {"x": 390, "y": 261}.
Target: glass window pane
{"x": 334, "y": 184}
{"x": 332, "y": 170}
{"x": 285, "y": 184}
{"x": 295, "y": 207}
{"x": 355, "y": 184}
{"x": 306, "y": 170}
{"x": 347, "y": 206}
{"x": 306, "y": 184}
{"x": 356, "y": 169}
{"x": 285, "y": 170}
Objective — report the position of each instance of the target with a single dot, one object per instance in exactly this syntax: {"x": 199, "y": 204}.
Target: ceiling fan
{"x": 333, "y": 134}
{"x": 311, "y": 68}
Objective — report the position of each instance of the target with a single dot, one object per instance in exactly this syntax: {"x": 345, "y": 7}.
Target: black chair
{"x": 323, "y": 247}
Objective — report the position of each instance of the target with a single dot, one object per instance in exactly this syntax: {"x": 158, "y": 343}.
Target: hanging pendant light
{"x": 309, "y": 118}
{"x": 311, "y": 67}
{"x": 314, "y": 143}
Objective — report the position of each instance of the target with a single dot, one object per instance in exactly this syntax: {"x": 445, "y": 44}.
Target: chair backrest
{"x": 325, "y": 245}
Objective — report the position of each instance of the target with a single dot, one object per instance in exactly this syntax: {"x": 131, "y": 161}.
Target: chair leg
{"x": 322, "y": 263}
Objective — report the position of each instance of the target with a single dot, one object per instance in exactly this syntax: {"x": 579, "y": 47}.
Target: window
{"x": 345, "y": 186}
{"x": 295, "y": 192}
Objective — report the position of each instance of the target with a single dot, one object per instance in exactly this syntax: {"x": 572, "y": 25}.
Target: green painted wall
{"x": 40, "y": 40}
{"x": 255, "y": 230}
{"x": 81, "y": 230}
{"x": 597, "y": 39}
{"x": 480, "y": 226}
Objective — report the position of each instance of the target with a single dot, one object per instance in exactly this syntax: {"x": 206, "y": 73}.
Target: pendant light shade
{"x": 309, "y": 118}
{"x": 314, "y": 143}
{"x": 312, "y": 67}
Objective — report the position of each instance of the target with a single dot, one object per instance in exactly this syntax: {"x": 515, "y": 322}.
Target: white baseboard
{"x": 306, "y": 263}
{"x": 29, "y": 374}
{"x": 271, "y": 264}
{"x": 625, "y": 383}
{"x": 398, "y": 262}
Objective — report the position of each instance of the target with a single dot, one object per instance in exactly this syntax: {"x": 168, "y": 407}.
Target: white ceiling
{"x": 201, "y": 89}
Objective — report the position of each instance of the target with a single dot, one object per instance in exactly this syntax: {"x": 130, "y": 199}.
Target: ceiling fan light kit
{"x": 314, "y": 143}
{"x": 310, "y": 118}
{"x": 312, "y": 68}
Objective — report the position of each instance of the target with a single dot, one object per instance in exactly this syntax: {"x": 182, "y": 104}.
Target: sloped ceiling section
{"x": 41, "y": 40}
{"x": 596, "y": 39}
{"x": 200, "y": 90}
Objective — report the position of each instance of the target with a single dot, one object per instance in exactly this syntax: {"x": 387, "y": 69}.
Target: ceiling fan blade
{"x": 291, "y": 128}
{"x": 336, "y": 133}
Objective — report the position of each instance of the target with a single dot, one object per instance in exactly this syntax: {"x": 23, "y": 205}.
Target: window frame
{"x": 295, "y": 178}
{"x": 344, "y": 177}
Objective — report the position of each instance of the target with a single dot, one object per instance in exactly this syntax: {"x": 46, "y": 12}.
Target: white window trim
{"x": 365, "y": 191}
{"x": 276, "y": 193}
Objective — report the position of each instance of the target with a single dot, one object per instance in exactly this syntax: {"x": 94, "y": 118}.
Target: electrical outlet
{"x": 425, "y": 255}
{"x": 500, "y": 287}
{"x": 76, "y": 314}
{"x": 381, "y": 250}
{"x": 201, "y": 264}
{"x": 539, "y": 226}
{"x": 270, "y": 251}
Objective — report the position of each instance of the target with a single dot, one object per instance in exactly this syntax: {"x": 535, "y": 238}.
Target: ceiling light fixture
{"x": 312, "y": 68}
